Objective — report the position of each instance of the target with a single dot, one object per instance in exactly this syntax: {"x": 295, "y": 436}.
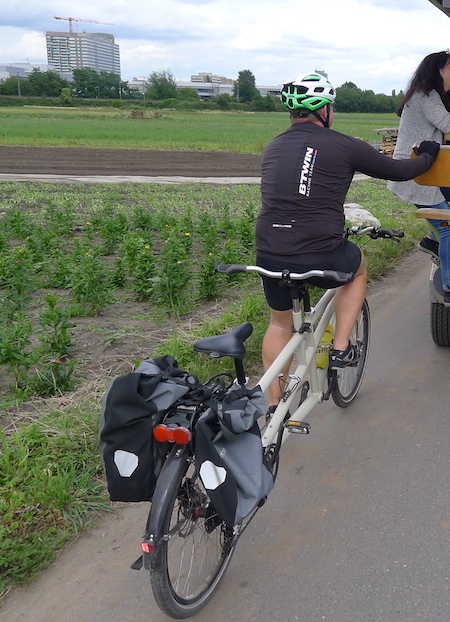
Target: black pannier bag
{"x": 229, "y": 454}
{"x": 131, "y": 407}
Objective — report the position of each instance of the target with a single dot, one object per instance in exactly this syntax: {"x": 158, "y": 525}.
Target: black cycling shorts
{"x": 345, "y": 258}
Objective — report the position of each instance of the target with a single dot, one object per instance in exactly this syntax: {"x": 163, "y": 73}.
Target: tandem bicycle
{"x": 186, "y": 546}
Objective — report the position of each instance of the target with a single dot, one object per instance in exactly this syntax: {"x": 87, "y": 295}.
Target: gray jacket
{"x": 423, "y": 118}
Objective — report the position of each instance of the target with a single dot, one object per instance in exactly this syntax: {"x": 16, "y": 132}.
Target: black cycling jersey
{"x": 305, "y": 176}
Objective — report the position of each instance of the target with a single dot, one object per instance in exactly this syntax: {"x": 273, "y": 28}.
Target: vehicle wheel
{"x": 440, "y": 324}
{"x": 194, "y": 547}
{"x": 348, "y": 380}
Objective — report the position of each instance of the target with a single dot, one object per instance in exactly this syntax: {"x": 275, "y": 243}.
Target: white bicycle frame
{"x": 303, "y": 344}
{"x": 308, "y": 329}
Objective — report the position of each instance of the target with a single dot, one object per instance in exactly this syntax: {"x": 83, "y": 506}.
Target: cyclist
{"x": 305, "y": 174}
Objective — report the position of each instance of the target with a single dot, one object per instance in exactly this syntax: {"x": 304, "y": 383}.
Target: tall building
{"x": 67, "y": 51}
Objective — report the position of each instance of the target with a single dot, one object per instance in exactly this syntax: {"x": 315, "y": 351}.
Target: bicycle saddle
{"x": 230, "y": 344}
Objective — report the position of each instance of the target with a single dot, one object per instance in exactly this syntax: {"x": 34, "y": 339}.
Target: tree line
{"x": 349, "y": 98}
{"x": 162, "y": 87}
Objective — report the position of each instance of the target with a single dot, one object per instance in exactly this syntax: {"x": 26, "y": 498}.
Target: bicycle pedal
{"x": 297, "y": 427}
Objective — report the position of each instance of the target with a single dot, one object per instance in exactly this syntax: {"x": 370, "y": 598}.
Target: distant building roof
{"x": 23, "y": 69}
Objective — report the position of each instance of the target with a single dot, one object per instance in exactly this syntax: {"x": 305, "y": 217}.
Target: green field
{"x": 243, "y": 132}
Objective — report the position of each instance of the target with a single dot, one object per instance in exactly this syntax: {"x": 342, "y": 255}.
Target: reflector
{"x": 161, "y": 433}
{"x": 148, "y": 547}
{"x": 174, "y": 434}
{"x": 181, "y": 436}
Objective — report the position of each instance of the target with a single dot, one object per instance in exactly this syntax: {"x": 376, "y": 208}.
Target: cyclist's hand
{"x": 428, "y": 146}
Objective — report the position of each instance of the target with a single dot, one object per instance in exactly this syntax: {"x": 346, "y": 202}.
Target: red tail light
{"x": 148, "y": 547}
{"x": 174, "y": 434}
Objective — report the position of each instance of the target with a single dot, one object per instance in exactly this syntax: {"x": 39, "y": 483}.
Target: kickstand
{"x": 137, "y": 565}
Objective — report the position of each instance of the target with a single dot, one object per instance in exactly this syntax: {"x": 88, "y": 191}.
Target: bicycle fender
{"x": 164, "y": 489}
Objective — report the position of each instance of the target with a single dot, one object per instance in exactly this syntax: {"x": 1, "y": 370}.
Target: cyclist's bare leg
{"x": 347, "y": 304}
{"x": 277, "y": 336}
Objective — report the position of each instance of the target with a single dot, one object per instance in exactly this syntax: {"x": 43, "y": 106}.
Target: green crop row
{"x": 90, "y": 246}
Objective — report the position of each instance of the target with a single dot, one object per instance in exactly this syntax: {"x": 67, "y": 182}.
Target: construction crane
{"x": 78, "y": 19}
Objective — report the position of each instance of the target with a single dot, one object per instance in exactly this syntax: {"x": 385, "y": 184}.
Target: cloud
{"x": 376, "y": 44}
{"x": 18, "y": 45}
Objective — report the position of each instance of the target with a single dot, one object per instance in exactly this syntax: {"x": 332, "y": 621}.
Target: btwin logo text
{"x": 307, "y": 170}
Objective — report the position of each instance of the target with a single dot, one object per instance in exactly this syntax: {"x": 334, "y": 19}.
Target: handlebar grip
{"x": 232, "y": 268}
{"x": 339, "y": 277}
{"x": 390, "y": 233}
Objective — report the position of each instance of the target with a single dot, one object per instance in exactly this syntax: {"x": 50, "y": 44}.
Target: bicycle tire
{"x": 193, "y": 546}
{"x": 440, "y": 324}
{"x": 348, "y": 380}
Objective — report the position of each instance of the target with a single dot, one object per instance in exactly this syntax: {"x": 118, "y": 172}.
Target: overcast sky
{"x": 376, "y": 44}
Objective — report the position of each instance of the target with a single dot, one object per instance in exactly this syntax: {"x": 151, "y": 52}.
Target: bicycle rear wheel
{"x": 193, "y": 546}
{"x": 348, "y": 380}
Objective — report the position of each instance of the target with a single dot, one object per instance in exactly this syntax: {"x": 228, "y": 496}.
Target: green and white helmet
{"x": 308, "y": 92}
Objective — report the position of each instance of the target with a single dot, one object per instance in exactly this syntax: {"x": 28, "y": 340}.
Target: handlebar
{"x": 286, "y": 275}
{"x": 375, "y": 232}
{"x": 338, "y": 277}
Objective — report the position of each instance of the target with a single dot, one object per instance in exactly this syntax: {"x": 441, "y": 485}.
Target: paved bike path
{"x": 120, "y": 179}
{"x": 138, "y": 179}
{"x": 357, "y": 527}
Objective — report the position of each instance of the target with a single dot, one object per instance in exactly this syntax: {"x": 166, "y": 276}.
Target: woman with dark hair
{"x": 424, "y": 113}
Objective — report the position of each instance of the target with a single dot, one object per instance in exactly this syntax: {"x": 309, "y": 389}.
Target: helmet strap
{"x": 325, "y": 122}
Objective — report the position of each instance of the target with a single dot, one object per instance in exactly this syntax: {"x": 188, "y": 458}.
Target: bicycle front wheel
{"x": 194, "y": 547}
{"x": 440, "y": 324}
{"x": 348, "y": 380}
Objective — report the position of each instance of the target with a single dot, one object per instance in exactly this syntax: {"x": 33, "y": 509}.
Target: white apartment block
{"x": 207, "y": 90}
{"x": 205, "y": 76}
{"x": 67, "y": 51}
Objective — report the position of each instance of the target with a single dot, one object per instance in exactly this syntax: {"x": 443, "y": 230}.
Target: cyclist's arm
{"x": 369, "y": 161}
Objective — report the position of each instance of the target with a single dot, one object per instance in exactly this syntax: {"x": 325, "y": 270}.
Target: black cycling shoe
{"x": 427, "y": 245}
{"x": 344, "y": 358}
